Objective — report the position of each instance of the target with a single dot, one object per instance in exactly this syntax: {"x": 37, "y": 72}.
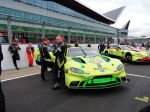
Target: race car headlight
{"x": 138, "y": 54}
{"x": 120, "y": 67}
{"x": 76, "y": 70}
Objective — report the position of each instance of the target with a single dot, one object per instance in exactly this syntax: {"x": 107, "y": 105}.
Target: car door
{"x": 112, "y": 50}
{"x": 118, "y": 51}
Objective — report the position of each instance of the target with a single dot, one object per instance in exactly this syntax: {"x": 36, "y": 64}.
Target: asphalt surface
{"x": 30, "y": 94}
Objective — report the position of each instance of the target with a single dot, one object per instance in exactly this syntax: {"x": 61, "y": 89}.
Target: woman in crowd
{"x": 30, "y": 53}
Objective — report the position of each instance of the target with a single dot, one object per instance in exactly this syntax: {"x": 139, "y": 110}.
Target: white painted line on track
{"x": 134, "y": 75}
{"x": 19, "y": 77}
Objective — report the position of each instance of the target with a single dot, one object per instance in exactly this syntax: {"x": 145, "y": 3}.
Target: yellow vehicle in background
{"x": 127, "y": 52}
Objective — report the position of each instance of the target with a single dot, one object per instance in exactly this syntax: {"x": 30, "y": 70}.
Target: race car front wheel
{"x": 129, "y": 57}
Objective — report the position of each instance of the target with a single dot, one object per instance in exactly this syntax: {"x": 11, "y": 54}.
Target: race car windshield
{"x": 125, "y": 47}
{"x": 73, "y": 52}
{"x": 90, "y": 52}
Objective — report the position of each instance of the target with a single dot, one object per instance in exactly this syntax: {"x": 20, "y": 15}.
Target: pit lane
{"x": 30, "y": 94}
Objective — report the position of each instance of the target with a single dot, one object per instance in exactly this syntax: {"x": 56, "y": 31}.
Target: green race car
{"x": 127, "y": 52}
{"x": 85, "y": 68}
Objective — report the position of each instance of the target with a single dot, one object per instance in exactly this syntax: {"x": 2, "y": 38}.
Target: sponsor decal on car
{"x": 95, "y": 60}
{"x": 100, "y": 68}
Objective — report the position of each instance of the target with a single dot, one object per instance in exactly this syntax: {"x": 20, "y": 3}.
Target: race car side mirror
{"x": 117, "y": 49}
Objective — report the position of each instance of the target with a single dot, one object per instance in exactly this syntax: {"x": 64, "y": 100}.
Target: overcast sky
{"x": 138, "y": 11}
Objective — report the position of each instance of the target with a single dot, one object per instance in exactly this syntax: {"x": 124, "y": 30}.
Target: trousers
{"x": 44, "y": 66}
{"x": 31, "y": 57}
{"x": 14, "y": 61}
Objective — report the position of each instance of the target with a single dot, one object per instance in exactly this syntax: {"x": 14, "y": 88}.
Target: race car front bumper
{"x": 98, "y": 82}
{"x": 144, "y": 60}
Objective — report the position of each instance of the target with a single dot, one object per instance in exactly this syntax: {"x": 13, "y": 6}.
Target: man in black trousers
{"x": 60, "y": 50}
{"x": 46, "y": 60}
{"x": 13, "y": 48}
{"x": 101, "y": 47}
{"x": 2, "y": 99}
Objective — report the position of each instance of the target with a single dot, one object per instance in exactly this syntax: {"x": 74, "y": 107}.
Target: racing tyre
{"x": 129, "y": 57}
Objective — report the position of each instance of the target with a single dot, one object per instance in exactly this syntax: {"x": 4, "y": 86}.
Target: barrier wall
{"x": 7, "y": 62}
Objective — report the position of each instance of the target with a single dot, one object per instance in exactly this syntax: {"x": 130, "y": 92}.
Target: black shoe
{"x": 43, "y": 79}
{"x": 17, "y": 69}
{"x": 56, "y": 86}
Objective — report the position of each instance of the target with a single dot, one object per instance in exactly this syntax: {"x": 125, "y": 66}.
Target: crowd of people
{"x": 132, "y": 43}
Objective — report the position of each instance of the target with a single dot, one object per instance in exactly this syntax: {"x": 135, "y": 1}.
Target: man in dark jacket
{"x": 2, "y": 99}
{"x": 101, "y": 47}
{"x": 76, "y": 44}
{"x": 46, "y": 60}
{"x": 89, "y": 45}
{"x": 14, "y": 52}
{"x": 60, "y": 49}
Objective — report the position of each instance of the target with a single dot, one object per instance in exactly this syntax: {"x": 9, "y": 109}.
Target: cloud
{"x": 136, "y": 10}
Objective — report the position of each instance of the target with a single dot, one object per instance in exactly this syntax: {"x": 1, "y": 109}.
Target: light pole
{"x": 69, "y": 28}
{"x": 118, "y": 36}
{"x": 43, "y": 29}
{"x": 9, "y": 29}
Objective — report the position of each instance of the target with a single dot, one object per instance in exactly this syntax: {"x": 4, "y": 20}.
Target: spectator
{"x": 147, "y": 45}
{"x": 2, "y": 98}
{"x": 89, "y": 44}
{"x": 2, "y": 40}
{"x": 143, "y": 45}
{"x": 101, "y": 47}
{"x": 14, "y": 52}
{"x": 30, "y": 52}
{"x": 108, "y": 45}
{"x": 122, "y": 43}
{"x": 72, "y": 41}
{"x": 76, "y": 44}
{"x": 132, "y": 44}
{"x": 127, "y": 43}
{"x": 39, "y": 39}
{"x": 81, "y": 42}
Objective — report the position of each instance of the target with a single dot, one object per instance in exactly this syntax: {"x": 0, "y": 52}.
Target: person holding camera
{"x": 14, "y": 52}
